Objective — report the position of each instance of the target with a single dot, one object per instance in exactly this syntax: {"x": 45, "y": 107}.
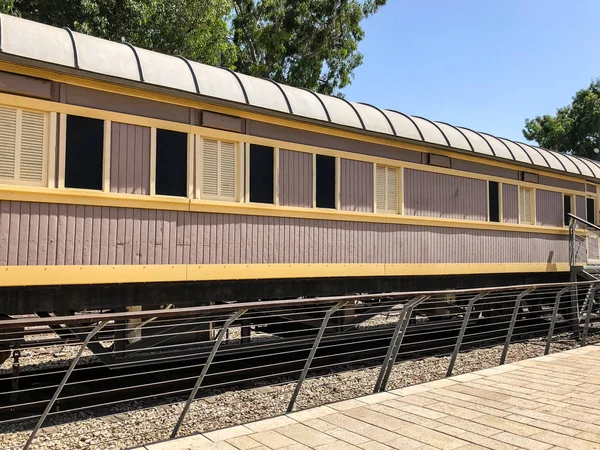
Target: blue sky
{"x": 484, "y": 64}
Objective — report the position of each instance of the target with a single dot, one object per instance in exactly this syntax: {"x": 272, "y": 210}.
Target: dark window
{"x": 494, "y": 201}
{"x": 84, "y": 153}
{"x": 261, "y": 174}
{"x": 171, "y": 163}
{"x": 325, "y": 182}
{"x": 591, "y": 210}
{"x": 567, "y": 208}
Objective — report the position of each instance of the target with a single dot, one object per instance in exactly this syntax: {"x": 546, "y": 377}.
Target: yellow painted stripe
{"x": 99, "y": 198}
{"x": 70, "y": 275}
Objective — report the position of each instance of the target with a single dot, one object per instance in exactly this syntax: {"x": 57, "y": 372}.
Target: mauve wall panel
{"x": 76, "y": 95}
{"x": 549, "y": 208}
{"x": 469, "y": 166}
{"x": 295, "y": 178}
{"x": 510, "y": 203}
{"x": 559, "y": 182}
{"x": 580, "y": 209}
{"x": 356, "y": 185}
{"x": 47, "y": 234}
{"x": 130, "y": 159}
{"x": 438, "y": 195}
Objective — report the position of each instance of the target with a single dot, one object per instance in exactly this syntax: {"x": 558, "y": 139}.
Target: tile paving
{"x": 547, "y": 403}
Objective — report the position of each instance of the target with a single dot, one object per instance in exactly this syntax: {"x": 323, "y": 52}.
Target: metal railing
{"x": 173, "y": 356}
{"x": 584, "y": 242}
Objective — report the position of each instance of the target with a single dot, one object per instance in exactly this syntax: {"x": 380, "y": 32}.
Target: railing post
{"x": 312, "y": 353}
{"x": 236, "y": 315}
{"x": 62, "y": 384}
{"x": 590, "y": 303}
{"x": 554, "y": 314}
{"x": 513, "y": 321}
{"x": 572, "y": 242}
{"x": 396, "y": 343}
{"x": 461, "y": 335}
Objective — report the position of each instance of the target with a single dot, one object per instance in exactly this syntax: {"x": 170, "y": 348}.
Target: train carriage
{"x": 132, "y": 178}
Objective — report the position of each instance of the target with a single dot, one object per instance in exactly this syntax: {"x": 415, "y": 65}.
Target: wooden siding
{"x": 130, "y": 159}
{"x": 485, "y": 169}
{"x": 580, "y": 207}
{"x": 356, "y": 185}
{"x": 108, "y": 101}
{"x": 510, "y": 203}
{"x": 548, "y": 208}
{"x": 52, "y": 234}
{"x": 559, "y": 182}
{"x": 437, "y": 195}
{"x": 295, "y": 179}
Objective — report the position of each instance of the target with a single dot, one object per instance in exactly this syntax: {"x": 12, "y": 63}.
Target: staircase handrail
{"x": 585, "y": 222}
{"x": 572, "y": 244}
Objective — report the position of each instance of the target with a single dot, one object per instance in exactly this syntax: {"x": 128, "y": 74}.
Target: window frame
{"x": 489, "y": 215}
{"x": 62, "y": 153}
{"x": 48, "y": 153}
{"x": 198, "y": 142}
{"x": 189, "y": 162}
{"x": 246, "y": 171}
{"x": 337, "y": 183}
{"x": 532, "y": 195}
{"x": 573, "y": 205}
{"x": 594, "y": 198}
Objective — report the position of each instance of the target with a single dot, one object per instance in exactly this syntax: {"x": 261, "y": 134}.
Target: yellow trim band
{"x": 99, "y": 198}
{"x": 71, "y": 275}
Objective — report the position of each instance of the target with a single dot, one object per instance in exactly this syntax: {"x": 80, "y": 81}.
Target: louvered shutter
{"x": 210, "y": 168}
{"x": 380, "y": 188}
{"x": 392, "y": 190}
{"x": 525, "y": 215}
{"x": 31, "y": 163}
{"x": 227, "y": 170}
{"x": 8, "y": 143}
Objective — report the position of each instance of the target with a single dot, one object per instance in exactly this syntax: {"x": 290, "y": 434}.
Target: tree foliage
{"x": 305, "y": 43}
{"x": 574, "y": 128}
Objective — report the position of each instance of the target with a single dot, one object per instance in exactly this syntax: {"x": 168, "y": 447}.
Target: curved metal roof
{"x": 63, "y": 47}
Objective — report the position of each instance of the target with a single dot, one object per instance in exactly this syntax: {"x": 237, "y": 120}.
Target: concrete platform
{"x": 552, "y": 402}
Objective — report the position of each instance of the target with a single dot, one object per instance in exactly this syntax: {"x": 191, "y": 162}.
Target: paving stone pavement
{"x": 546, "y": 403}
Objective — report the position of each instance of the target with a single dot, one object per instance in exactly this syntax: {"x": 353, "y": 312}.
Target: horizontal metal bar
{"x": 260, "y": 305}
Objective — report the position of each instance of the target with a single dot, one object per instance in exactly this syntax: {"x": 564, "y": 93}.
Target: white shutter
{"x": 386, "y": 186}
{"x": 219, "y": 174}
{"x": 8, "y": 143}
{"x": 525, "y": 215}
{"x": 392, "y": 190}
{"x": 210, "y": 167}
{"x": 227, "y": 170}
{"x": 31, "y": 164}
{"x": 380, "y": 187}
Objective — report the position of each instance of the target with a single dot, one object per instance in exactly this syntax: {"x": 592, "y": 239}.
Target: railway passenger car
{"x": 133, "y": 178}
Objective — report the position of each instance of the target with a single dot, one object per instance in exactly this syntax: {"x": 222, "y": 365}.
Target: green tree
{"x": 305, "y": 43}
{"x": 574, "y": 128}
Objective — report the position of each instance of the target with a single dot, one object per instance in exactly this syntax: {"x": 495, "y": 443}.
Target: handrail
{"x": 585, "y": 222}
{"x": 258, "y": 305}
